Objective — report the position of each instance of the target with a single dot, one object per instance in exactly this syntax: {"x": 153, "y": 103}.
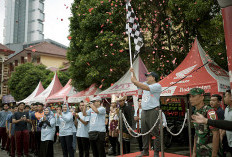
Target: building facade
{"x": 4, "y": 70}
{"x": 23, "y": 21}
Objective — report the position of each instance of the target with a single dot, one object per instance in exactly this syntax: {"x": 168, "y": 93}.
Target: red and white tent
{"x": 63, "y": 94}
{"x": 39, "y": 89}
{"x": 211, "y": 77}
{"x": 53, "y": 87}
{"x": 124, "y": 86}
{"x": 89, "y": 92}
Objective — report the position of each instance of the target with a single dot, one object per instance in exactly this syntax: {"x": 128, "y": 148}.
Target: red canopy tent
{"x": 211, "y": 77}
{"x": 89, "y": 92}
{"x": 63, "y": 94}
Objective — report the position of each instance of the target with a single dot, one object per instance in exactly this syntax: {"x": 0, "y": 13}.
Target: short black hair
{"x": 218, "y": 97}
{"x": 38, "y": 103}
{"x": 21, "y": 103}
{"x": 228, "y": 91}
{"x": 5, "y": 104}
{"x": 27, "y": 106}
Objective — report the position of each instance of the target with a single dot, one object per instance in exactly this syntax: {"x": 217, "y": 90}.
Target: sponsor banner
{"x": 183, "y": 90}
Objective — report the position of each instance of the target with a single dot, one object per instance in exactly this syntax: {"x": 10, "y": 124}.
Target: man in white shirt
{"x": 97, "y": 129}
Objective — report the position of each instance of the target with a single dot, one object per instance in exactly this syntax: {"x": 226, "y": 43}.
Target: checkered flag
{"x": 132, "y": 27}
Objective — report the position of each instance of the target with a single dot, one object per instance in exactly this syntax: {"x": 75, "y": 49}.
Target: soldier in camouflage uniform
{"x": 206, "y": 140}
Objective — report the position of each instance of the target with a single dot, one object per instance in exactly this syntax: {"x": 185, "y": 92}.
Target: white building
{"x": 23, "y": 21}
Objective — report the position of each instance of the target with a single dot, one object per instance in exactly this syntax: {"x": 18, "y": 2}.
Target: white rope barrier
{"x": 130, "y": 130}
{"x": 173, "y": 134}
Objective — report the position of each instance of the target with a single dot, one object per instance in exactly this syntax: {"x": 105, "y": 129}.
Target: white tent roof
{"x": 124, "y": 86}
{"x": 39, "y": 89}
{"x": 53, "y": 87}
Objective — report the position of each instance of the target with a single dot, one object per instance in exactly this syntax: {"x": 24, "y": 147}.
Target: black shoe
{"x": 143, "y": 153}
{"x": 2, "y": 148}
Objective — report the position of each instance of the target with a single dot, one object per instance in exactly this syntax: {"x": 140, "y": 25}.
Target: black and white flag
{"x": 132, "y": 27}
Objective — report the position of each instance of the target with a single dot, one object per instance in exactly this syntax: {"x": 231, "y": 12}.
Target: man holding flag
{"x": 151, "y": 89}
{"x": 150, "y": 110}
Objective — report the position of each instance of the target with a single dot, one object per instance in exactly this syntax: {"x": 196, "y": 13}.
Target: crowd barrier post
{"x": 161, "y": 133}
{"x": 189, "y": 132}
{"x": 120, "y": 122}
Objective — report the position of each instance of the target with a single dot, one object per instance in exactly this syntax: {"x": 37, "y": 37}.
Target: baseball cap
{"x": 154, "y": 74}
{"x": 97, "y": 98}
{"x": 196, "y": 91}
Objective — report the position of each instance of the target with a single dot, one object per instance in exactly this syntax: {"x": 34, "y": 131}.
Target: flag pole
{"x": 130, "y": 49}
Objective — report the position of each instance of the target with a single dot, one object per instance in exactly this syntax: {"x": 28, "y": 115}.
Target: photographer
{"x": 97, "y": 129}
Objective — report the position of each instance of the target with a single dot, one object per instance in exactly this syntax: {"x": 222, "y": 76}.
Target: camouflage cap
{"x": 196, "y": 91}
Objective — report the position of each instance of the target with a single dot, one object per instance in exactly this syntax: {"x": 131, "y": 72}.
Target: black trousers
{"x": 46, "y": 149}
{"x": 66, "y": 144}
{"x": 98, "y": 145}
{"x": 115, "y": 144}
{"x": 37, "y": 141}
{"x": 83, "y": 146}
{"x": 140, "y": 141}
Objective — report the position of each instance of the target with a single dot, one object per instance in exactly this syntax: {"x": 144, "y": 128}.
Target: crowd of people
{"x": 36, "y": 128}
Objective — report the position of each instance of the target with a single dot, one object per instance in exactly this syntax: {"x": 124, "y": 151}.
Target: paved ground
{"x": 175, "y": 148}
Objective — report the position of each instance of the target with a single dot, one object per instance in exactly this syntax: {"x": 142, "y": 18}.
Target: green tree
{"x": 27, "y": 76}
{"x": 25, "y": 79}
{"x": 97, "y": 48}
{"x": 97, "y": 31}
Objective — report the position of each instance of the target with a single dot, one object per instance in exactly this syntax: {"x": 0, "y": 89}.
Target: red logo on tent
{"x": 218, "y": 70}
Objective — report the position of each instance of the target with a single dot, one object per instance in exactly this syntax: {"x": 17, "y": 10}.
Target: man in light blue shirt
{"x": 3, "y": 116}
{"x": 150, "y": 110}
{"x": 97, "y": 129}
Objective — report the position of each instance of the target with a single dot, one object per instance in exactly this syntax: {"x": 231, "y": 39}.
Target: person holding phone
{"x": 65, "y": 121}
{"x": 97, "y": 129}
{"x": 20, "y": 119}
{"x": 82, "y": 131}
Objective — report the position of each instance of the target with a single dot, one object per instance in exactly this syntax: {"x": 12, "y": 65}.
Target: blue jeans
{"x": 74, "y": 144}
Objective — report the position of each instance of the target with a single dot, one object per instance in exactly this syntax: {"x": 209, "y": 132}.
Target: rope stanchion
{"x": 135, "y": 134}
{"x": 189, "y": 132}
{"x": 161, "y": 133}
{"x": 173, "y": 134}
{"x": 120, "y": 123}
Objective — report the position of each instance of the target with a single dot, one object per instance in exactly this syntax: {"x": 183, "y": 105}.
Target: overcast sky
{"x": 56, "y": 25}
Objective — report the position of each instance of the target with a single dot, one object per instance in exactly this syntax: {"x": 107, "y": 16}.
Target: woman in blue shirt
{"x": 82, "y": 132}
{"x": 47, "y": 124}
{"x": 65, "y": 121}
